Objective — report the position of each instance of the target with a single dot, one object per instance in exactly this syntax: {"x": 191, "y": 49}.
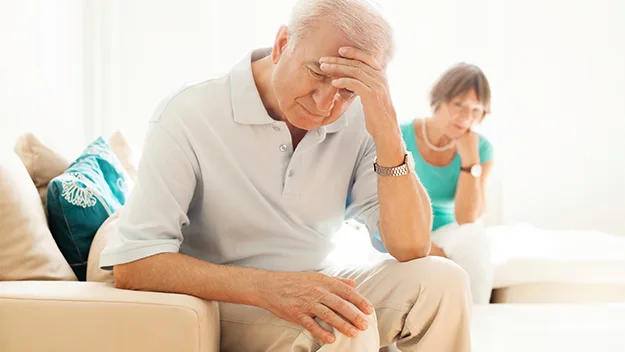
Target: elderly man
{"x": 245, "y": 178}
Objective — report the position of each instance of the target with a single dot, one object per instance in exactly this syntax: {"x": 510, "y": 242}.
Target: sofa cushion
{"x": 43, "y": 164}
{"x": 27, "y": 249}
{"x": 82, "y": 198}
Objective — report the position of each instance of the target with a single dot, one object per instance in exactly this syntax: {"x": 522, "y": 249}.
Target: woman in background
{"x": 454, "y": 163}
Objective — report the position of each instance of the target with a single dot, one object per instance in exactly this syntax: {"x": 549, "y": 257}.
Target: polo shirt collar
{"x": 247, "y": 107}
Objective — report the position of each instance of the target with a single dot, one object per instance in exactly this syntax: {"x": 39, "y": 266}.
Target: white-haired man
{"x": 245, "y": 178}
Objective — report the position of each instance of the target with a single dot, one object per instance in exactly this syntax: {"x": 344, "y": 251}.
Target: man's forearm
{"x": 179, "y": 273}
{"x": 405, "y": 209}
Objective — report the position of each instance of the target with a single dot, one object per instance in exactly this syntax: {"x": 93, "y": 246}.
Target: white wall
{"x": 556, "y": 67}
{"x": 153, "y": 47}
{"x": 557, "y": 70}
{"x": 41, "y": 72}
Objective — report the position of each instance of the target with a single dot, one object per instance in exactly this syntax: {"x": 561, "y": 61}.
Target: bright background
{"x": 72, "y": 70}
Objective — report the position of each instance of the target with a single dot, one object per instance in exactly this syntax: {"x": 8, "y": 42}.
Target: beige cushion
{"x": 27, "y": 249}
{"x": 108, "y": 229}
{"x": 122, "y": 150}
{"x": 95, "y": 317}
{"x": 43, "y": 164}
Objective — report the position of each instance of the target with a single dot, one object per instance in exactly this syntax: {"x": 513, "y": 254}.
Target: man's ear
{"x": 280, "y": 44}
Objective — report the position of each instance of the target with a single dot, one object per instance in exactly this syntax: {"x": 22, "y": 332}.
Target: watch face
{"x": 476, "y": 170}
{"x": 410, "y": 161}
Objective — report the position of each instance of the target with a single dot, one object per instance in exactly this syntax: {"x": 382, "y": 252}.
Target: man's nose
{"x": 325, "y": 97}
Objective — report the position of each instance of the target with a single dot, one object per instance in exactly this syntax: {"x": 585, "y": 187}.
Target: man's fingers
{"x": 353, "y": 296}
{"x": 329, "y": 316}
{"x": 349, "y": 282}
{"x": 348, "y": 311}
{"x": 353, "y": 85}
{"x": 311, "y": 325}
{"x": 351, "y": 63}
{"x": 339, "y": 70}
{"x": 354, "y": 53}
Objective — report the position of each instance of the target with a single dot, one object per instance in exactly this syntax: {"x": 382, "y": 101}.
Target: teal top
{"x": 440, "y": 181}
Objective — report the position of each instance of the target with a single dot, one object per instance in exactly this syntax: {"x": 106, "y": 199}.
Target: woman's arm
{"x": 469, "y": 200}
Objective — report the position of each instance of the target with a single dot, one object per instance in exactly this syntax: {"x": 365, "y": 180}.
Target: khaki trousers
{"x": 422, "y": 305}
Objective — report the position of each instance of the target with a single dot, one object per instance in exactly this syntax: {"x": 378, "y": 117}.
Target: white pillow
{"x": 27, "y": 249}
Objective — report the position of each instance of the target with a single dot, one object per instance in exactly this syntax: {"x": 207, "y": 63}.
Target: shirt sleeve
{"x": 152, "y": 219}
{"x": 362, "y": 204}
{"x": 485, "y": 150}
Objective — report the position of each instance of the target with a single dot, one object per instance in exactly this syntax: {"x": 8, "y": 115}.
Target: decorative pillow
{"x": 82, "y": 198}
{"x": 101, "y": 239}
{"x": 43, "y": 164}
{"x": 27, "y": 249}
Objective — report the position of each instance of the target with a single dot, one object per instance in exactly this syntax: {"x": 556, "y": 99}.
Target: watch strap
{"x": 401, "y": 170}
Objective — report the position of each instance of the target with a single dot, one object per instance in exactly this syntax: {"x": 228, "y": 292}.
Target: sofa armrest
{"x": 89, "y": 316}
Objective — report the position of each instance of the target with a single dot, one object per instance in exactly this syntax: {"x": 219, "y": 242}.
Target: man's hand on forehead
{"x": 353, "y": 53}
{"x": 363, "y": 74}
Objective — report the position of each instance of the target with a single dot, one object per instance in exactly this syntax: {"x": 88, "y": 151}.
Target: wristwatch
{"x": 401, "y": 170}
{"x": 475, "y": 170}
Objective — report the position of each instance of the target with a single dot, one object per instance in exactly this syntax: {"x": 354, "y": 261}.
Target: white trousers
{"x": 468, "y": 246}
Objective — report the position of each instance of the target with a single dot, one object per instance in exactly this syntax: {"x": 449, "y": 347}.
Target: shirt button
{"x": 291, "y": 173}
{"x": 283, "y": 147}
{"x": 276, "y": 128}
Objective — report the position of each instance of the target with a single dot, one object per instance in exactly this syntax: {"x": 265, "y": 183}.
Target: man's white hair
{"x": 361, "y": 21}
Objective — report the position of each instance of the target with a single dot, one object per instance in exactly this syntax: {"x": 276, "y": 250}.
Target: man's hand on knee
{"x": 300, "y": 297}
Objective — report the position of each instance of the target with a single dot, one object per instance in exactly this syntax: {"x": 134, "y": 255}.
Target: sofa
{"x": 42, "y": 305}
{"x": 44, "y": 308}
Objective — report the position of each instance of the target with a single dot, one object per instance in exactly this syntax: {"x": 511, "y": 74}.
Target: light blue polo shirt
{"x": 219, "y": 180}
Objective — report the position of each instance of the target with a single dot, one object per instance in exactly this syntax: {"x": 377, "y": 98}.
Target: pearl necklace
{"x": 429, "y": 144}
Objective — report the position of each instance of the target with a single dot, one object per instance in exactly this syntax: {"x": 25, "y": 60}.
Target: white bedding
{"x": 529, "y": 262}
{"x": 525, "y": 254}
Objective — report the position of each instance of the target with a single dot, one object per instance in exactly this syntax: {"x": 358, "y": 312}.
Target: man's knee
{"x": 368, "y": 340}
{"x": 432, "y": 274}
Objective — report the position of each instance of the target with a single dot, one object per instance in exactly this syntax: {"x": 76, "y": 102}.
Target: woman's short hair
{"x": 459, "y": 80}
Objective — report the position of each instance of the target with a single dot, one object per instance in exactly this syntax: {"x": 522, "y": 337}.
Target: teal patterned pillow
{"x": 91, "y": 189}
